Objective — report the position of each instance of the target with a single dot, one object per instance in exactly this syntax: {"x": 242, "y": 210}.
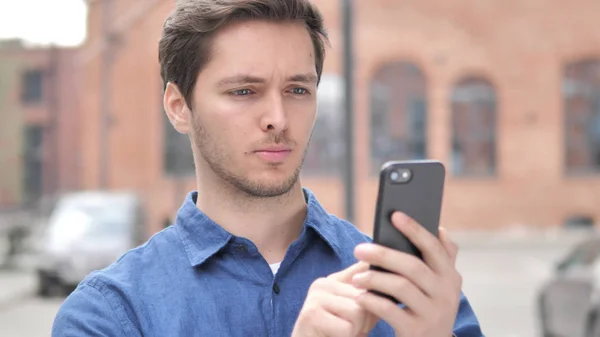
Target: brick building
{"x": 39, "y": 122}
{"x": 505, "y": 93}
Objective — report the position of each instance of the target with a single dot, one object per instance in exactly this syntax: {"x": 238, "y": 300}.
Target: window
{"x": 398, "y": 114}
{"x": 473, "y": 128}
{"x": 33, "y": 162}
{"x": 581, "y": 95}
{"x": 178, "y": 157}
{"x": 32, "y": 86}
{"x": 326, "y": 151}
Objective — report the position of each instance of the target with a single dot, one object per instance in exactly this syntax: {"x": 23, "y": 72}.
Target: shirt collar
{"x": 202, "y": 237}
{"x": 326, "y": 225}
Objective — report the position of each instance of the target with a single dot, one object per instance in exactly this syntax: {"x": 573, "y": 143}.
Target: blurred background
{"x": 506, "y": 93}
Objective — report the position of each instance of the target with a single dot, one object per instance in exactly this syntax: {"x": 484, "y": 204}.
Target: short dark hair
{"x": 185, "y": 45}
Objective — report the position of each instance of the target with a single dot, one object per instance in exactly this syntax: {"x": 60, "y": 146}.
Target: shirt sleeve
{"x": 466, "y": 324}
{"x": 87, "y": 313}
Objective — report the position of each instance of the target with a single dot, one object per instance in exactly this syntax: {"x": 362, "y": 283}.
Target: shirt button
{"x": 276, "y": 288}
{"x": 241, "y": 249}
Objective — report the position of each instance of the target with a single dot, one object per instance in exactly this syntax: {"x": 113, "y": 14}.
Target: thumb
{"x": 346, "y": 275}
{"x": 370, "y": 322}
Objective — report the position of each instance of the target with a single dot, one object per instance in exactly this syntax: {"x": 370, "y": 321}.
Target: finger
{"x": 450, "y": 246}
{"x": 395, "y": 316}
{"x": 396, "y": 286}
{"x": 347, "y": 274}
{"x": 346, "y": 290}
{"x": 346, "y": 309}
{"x": 433, "y": 251}
{"x": 369, "y": 324}
{"x": 331, "y": 286}
{"x": 399, "y": 263}
{"x": 331, "y": 325}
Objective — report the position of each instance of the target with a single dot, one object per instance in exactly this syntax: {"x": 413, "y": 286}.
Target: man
{"x": 251, "y": 252}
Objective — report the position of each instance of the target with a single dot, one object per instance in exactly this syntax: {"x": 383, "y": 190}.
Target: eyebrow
{"x": 248, "y": 79}
{"x": 304, "y": 78}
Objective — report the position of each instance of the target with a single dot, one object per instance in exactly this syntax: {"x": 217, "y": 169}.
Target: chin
{"x": 264, "y": 189}
{"x": 269, "y": 184}
{"x": 277, "y": 182}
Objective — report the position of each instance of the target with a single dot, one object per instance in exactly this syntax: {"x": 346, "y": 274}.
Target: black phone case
{"x": 420, "y": 198}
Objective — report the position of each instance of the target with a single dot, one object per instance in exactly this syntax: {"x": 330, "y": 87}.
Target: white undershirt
{"x": 275, "y": 267}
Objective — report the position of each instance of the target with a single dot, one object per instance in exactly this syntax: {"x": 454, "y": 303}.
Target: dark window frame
{"x": 32, "y": 86}
{"x": 478, "y": 96}
{"x": 326, "y": 152}
{"x": 33, "y": 163}
{"x": 577, "y": 84}
{"x": 398, "y": 91}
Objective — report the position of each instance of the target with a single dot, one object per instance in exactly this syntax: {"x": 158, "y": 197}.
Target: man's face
{"x": 254, "y": 106}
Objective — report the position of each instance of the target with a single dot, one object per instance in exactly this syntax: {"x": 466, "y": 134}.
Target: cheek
{"x": 305, "y": 123}
{"x": 220, "y": 119}
{"x": 302, "y": 119}
{"x": 229, "y": 135}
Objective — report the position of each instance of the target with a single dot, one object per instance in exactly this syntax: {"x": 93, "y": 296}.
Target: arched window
{"x": 473, "y": 127}
{"x": 398, "y": 114}
{"x": 326, "y": 151}
{"x": 581, "y": 95}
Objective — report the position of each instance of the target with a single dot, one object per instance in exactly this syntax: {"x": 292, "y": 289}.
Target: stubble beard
{"x": 217, "y": 159}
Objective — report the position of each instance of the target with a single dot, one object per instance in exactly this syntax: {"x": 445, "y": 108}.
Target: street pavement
{"x": 15, "y": 286}
{"x": 502, "y": 285}
{"x": 502, "y": 275}
{"x": 32, "y": 317}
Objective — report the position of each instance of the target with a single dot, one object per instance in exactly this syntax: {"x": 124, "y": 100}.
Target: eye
{"x": 242, "y": 92}
{"x": 299, "y": 91}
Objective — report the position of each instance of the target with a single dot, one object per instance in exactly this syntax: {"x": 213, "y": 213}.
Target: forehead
{"x": 262, "y": 48}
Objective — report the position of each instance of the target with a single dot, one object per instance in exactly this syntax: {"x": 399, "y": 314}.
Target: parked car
{"x": 569, "y": 303}
{"x": 86, "y": 231}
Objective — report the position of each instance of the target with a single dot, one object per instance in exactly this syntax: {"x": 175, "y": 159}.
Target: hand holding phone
{"x": 429, "y": 288}
{"x": 412, "y": 261}
{"x": 414, "y": 188}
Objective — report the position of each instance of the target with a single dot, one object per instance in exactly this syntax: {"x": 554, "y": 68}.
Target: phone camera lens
{"x": 400, "y": 176}
{"x": 406, "y": 175}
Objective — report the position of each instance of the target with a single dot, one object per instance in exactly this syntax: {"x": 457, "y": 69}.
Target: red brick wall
{"x": 68, "y": 113}
{"x": 10, "y": 135}
{"x": 57, "y": 113}
{"x": 518, "y": 45}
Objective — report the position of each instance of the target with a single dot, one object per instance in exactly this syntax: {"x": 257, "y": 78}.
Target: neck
{"x": 272, "y": 224}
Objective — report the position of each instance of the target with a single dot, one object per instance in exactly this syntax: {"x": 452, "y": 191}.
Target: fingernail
{"x": 358, "y": 277}
{"x": 364, "y": 248}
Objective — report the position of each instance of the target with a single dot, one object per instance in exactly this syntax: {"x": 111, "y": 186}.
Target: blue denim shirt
{"x": 196, "y": 279}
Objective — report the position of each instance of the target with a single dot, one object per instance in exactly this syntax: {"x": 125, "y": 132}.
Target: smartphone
{"x": 414, "y": 187}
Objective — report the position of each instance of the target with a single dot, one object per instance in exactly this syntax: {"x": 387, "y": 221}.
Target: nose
{"x": 274, "y": 117}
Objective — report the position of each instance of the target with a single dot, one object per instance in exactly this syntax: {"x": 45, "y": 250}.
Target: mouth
{"x": 273, "y": 154}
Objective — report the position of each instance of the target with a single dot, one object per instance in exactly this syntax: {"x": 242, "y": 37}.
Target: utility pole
{"x": 56, "y": 183}
{"x": 348, "y": 61}
{"x": 105, "y": 94}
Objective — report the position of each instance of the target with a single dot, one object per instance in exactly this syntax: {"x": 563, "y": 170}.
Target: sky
{"x": 59, "y": 22}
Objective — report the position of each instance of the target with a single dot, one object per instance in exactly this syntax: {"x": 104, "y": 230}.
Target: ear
{"x": 177, "y": 109}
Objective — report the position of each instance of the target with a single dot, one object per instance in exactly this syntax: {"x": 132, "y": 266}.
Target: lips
{"x": 274, "y": 153}
{"x": 275, "y": 149}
